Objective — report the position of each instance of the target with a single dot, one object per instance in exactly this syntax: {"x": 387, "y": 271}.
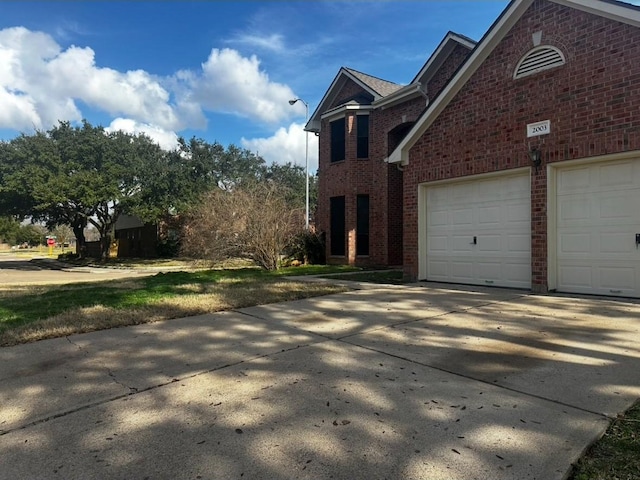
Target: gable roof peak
{"x": 612, "y": 9}
{"x": 376, "y": 87}
{"x": 442, "y": 51}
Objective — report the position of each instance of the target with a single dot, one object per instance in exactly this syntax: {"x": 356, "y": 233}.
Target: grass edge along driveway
{"x": 35, "y": 312}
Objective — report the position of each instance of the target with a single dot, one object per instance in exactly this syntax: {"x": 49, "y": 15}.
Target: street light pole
{"x": 306, "y": 159}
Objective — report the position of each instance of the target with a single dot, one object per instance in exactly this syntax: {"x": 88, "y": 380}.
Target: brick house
{"x": 523, "y": 170}
{"x": 360, "y": 121}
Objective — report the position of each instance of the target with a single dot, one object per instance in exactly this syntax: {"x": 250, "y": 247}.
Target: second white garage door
{"x": 479, "y": 232}
{"x": 598, "y": 215}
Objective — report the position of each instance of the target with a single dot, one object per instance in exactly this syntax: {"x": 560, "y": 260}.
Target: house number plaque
{"x": 539, "y": 128}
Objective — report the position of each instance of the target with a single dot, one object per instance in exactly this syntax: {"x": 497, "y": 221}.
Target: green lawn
{"x": 29, "y": 313}
{"x": 616, "y": 456}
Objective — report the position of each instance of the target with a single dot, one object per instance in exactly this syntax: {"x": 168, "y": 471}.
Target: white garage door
{"x": 598, "y": 218}
{"x": 479, "y": 232}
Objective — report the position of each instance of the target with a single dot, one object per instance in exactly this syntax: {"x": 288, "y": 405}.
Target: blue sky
{"x": 222, "y": 71}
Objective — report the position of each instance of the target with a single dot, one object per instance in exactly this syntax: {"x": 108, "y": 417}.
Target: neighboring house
{"x": 523, "y": 171}
{"x": 135, "y": 238}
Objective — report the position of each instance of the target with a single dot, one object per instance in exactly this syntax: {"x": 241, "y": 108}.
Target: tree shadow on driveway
{"x": 389, "y": 383}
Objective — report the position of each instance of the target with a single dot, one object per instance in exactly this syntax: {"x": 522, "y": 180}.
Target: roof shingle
{"x": 381, "y": 87}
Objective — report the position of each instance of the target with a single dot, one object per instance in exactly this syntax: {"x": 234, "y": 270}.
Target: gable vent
{"x": 539, "y": 59}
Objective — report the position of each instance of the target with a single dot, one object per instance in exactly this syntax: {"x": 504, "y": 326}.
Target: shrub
{"x": 307, "y": 247}
{"x": 254, "y": 221}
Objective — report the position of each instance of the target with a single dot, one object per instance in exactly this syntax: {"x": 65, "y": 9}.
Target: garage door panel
{"x": 617, "y": 243}
{"x": 574, "y": 209}
{"x": 458, "y": 195}
{"x": 574, "y": 180}
{"x": 439, "y": 218}
{"x": 512, "y": 188}
{"x": 496, "y": 213}
{"x": 619, "y": 277}
{"x": 438, "y": 196}
{"x": 616, "y": 175}
{"x": 462, "y": 271}
{"x": 438, "y": 244}
{"x": 598, "y": 279}
{"x": 615, "y": 207}
{"x": 519, "y": 243}
{"x": 439, "y": 270}
{"x": 596, "y": 248}
{"x": 462, "y": 217}
{"x": 575, "y": 243}
{"x": 489, "y": 244}
{"x": 518, "y": 273}
{"x": 460, "y": 244}
{"x": 489, "y": 271}
{"x": 598, "y": 243}
{"x": 488, "y": 191}
{"x": 489, "y": 216}
{"x": 518, "y": 213}
{"x": 576, "y": 276}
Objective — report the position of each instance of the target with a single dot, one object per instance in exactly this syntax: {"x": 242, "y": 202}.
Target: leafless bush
{"x": 253, "y": 221}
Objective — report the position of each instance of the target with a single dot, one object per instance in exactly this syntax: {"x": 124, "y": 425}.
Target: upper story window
{"x": 338, "y": 140}
{"x": 538, "y": 59}
{"x": 363, "y": 136}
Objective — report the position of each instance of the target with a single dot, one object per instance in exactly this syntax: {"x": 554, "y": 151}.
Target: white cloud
{"x": 168, "y": 140}
{"x": 273, "y": 42}
{"x": 38, "y": 75}
{"x": 74, "y": 74}
{"x": 18, "y": 111}
{"x": 235, "y": 84}
{"x": 42, "y": 83}
{"x": 286, "y": 145}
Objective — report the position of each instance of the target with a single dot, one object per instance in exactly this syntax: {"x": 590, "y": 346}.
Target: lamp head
{"x": 291, "y": 102}
{"x": 535, "y": 155}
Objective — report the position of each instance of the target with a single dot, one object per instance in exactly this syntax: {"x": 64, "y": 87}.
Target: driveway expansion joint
{"x": 116, "y": 381}
{"x": 79, "y": 347}
{"x": 422, "y": 319}
{"x": 135, "y": 391}
{"x": 496, "y": 385}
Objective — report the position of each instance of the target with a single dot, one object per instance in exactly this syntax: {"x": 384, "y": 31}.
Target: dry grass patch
{"x": 616, "y": 456}
{"x": 30, "y": 313}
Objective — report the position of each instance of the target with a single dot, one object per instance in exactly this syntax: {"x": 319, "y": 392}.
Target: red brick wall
{"x": 351, "y": 178}
{"x": 446, "y": 71}
{"x": 347, "y": 92}
{"x": 372, "y": 176}
{"x": 593, "y": 103}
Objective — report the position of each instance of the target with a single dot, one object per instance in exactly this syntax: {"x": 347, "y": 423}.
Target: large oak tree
{"x": 84, "y": 176}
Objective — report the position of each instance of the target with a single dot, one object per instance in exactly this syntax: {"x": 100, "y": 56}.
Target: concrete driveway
{"x": 413, "y": 382}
